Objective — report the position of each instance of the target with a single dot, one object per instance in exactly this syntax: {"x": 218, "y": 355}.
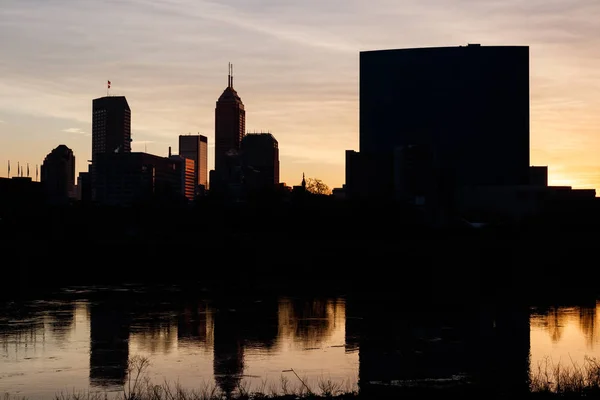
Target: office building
{"x": 58, "y": 175}
{"x": 230, "y": 127}
{"x": 111, "y": 132}
{"x": 125, "y": 179}
{"x": 466, "y": 107}
{"x": 187, "y": 176}
{"x": 111, "y": 125}
{"x": 84, "y": 187}
{"x": 260, "y": 160}
{"x": 195, "y": 147}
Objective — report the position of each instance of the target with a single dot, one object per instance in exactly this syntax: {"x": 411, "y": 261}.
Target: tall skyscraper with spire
{"x": 230, "y": 127}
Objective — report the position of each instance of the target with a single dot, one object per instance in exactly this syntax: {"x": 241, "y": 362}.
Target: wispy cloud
{"x": 77, "y": 131}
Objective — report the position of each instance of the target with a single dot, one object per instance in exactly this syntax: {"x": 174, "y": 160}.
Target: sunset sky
{"x": 296, "y": 69}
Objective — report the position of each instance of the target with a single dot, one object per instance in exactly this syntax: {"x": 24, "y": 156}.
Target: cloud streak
{"x": 77, "y": 131}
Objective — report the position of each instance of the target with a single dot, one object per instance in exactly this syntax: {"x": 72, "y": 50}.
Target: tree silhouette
{"x": 317, "y": 186}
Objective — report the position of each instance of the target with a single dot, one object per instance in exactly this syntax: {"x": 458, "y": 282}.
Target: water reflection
{"x": 195, "y": 325}
{"x": 153, "y": 333}
{"x": 228, "y": 362}
{"x": 362, "y": 340}
{"x": 40, "y": 349}
{"x": 564, "y": 334}
{"x": 554, "y": 320}
{"x": 61, "y": 317}
{"x": 27, "y": 327}
{"x": 307, "y": 323}
{"x": 406, "y": 343}
{"x": 109, "y": 343}
{"x": 21, "y": 330}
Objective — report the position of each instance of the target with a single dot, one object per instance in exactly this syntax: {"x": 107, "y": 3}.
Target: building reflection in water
{"x": 563, "y": 335}
{"x": 154, "y": 332}
{"x": 419, "y": 343}
{"x": 195, "y": 325}
{"x": 109, "y": 343}
{"x": 260, "y": 326}
{"x": 61, "y": 317}
{"x": 308, "y": 323}
{"x": 25, "y": 326}
{"x": 555, "y": 320}
{"x": 587, "y": 324}
{"x": 228, "y": 347}
{"x": 21, "y": 329}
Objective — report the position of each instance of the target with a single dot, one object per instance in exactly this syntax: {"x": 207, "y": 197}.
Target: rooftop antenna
{"x": 107, "y": 88}
{"x": 229, "y": 75}
{"x": 231, "y": 72}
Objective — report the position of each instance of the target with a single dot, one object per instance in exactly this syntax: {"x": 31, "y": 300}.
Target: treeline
{"x": 303, "y": 245}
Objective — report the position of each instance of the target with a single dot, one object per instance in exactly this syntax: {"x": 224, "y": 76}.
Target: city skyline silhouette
{"x": 402, "y": 197}
{"x": 171, "y": 75}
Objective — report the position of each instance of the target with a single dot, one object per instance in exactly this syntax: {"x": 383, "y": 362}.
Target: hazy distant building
{"x": 187, "y": 176}
{"x": 195, "y": 147}
{"x": 111, "y": 125}
{"x": 58, "y": 175}
{"x": 466, "y": 106}
{"x": 125, "y": 179}
{"x": 260, "y": 159}
{"x": 230, "y": 127}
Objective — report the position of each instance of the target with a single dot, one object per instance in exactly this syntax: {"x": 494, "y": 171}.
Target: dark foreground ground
{"x": 369, "y": 249}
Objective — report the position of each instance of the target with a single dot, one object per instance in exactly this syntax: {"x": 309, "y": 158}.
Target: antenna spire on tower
{"x": 229, "y": 75}
{"x": 231, "y": 72}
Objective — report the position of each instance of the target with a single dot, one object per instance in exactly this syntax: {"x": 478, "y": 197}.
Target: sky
{"x": 295, "y": 66}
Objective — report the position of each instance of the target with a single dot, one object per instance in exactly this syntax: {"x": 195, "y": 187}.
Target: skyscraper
{"x": 58, "y": 175}
{"x": 111, "y": 132}
{"x": 260, "y": 155}
{"x": 111, "y": 125}
{"x": 195, "y": 147}
{"x": 230, "y": 127}
{"x": 467, "y": 107}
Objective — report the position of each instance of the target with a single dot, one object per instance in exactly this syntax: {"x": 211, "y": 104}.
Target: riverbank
{"x": 172, "y": 392}
{"x": 369, "y": 250}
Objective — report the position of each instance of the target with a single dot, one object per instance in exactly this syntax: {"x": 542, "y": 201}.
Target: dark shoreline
{"x": 301, "y": 249}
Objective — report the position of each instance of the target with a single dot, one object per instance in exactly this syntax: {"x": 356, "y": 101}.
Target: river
{"x": 85, "y": 339}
